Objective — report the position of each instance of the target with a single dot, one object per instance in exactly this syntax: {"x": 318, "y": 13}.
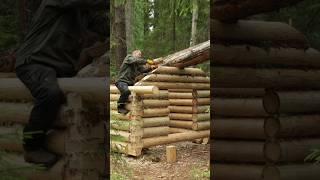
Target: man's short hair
{"x": 137, "y": 51}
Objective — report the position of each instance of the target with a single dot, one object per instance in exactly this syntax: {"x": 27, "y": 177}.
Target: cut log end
{"x": 271, "y": 102}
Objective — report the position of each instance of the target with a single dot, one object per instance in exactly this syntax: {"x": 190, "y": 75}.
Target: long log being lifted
{"x": 246, "y": 55}
{"x": 230, "y": 10}
{"x": 192, "y": 56}
{"x": 256, "y": 32}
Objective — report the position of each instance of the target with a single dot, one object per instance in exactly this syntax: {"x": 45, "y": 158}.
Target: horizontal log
{"x": 292, "y": 102}
{"x": 181, "y": 95}
{"x": 172, "y": 138}
{"x": 238, "y": 92}
{"x": 176, "y": 78}
{"x": 151, "y": 103}
{"x": 90, "y": 89}
{"x": 231, "y": 77}
{"x": 163, "y": 94}
{"x": 29, "y": 172}
{"x": 238, "y": 151}
{"x": 178, "y": 71}
{"x": 12, "y": 140}
{"x": 190, "y": 117}
{"x": 203, "y": 101}
{"x": 290, "y": 151}
{"x": 246, "y": 55}
{"x": 203, "y": 94}
{"x": 237, "y": 171}
{"x": 293, "y": 126}
{"x": 239, "y": 128}
{"x": 178, "y": 130}
{"x": 19, "y": 113}
{"x": 238, "y": 107}
{"x": 182, "y": 102}
{"x": 199, "y": 126}
{"x": 156, "y": 112}
{"x": 137, "y": 89}
{"x": 230, "y": 10}
{"x": 155, "y": 131}
{"x": 155, "y": 121}
{"x": 172, "y": 85}
{"x": 146, "y": 103}
{"x": 8, "y": 75}
{"x": 181, "y": 124}
{"x": 189, "y": 109}
{"x": 146, "y": 132}
{"x": 292, "y": 172}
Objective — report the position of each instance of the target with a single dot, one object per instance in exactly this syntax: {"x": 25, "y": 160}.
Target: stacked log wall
{"x": 77, "y": 135}
{"x": 265, "y": 101}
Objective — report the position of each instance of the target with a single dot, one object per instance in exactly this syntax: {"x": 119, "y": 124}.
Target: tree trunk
{"x": 129, "y": 7}
{"x": 195, "y": 14}
{"x": 120, "y": 34}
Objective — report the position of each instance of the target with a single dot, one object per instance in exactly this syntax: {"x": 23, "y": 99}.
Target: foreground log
{"x": 239, "y": 128}
{"x": 292, "y": 172}
{"x": 189, "y": 109}
{"x": 91, "y": 89}
{"x": 293, "y": 102}
{"x": 238, "y": 92}
{"x": 293, "y": 126}
{"x": 246, "y": 55}
{"x": 290, "y": 151}
{"x": 19, "y": 113}
{"x": 138, "y": 89}
{"x": 238, "y": 107}
{"x": 57, "y": 172}
{"x": 237, "y": 171}
{"x": 238, "y": 151}
{"x": 189, "y": 57}
{"x": 232, "y": 77}
{"x": 172, "y": 85}
{"x": 232, "y": 10}
{"x": 172, "y": 138}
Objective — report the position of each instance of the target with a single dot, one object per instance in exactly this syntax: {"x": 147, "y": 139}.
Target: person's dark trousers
{"x": 125, "y": 93}
{"x": 41, "y": 80}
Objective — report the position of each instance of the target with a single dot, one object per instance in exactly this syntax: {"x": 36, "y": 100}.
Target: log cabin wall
{"x": 179, "y": 111}
{"x": 77, "y": 135}
{"x": 265, "y": 97}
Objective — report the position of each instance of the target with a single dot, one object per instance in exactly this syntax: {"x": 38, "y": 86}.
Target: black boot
{"x": 122, "y": 109}
{"x": 41, "y": 157}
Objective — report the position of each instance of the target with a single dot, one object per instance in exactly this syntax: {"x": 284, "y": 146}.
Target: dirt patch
{"x": 192, "y": 163}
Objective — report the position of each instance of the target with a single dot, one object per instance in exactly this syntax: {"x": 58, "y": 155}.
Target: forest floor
{"x": 192, "y": 164}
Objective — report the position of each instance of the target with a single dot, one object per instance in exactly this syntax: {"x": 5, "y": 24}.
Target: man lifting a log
{"x": 132, "y": 66}
{"x": 58, "y": 33}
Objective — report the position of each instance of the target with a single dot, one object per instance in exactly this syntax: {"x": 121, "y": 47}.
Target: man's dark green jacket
{"x": 131, "y": 67}
{"x": 57, "y": 33}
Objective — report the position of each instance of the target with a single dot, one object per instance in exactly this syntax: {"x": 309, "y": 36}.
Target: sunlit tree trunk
{"x": 195, "y": 13}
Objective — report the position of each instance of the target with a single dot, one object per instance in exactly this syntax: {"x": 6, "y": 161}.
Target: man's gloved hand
{"x": 153, "y": 67}
{"x": 150, "y": 62}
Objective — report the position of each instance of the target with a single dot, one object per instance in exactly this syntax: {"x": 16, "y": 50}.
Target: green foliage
{"x": 198, "y": 173}
{"x": 314, "y": 156}
{"x": 161, "y": 27}
{"x": 304, "y": 17}
{"x": 9, "y": 25}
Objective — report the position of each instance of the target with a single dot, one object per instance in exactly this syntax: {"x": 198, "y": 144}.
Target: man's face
{"x": 139, "y": 54}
